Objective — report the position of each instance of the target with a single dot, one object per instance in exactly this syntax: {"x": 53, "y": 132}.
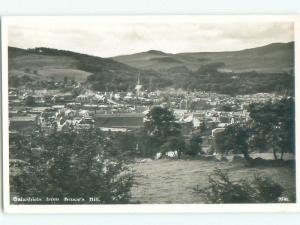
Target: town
{"x": 62, "y": 109}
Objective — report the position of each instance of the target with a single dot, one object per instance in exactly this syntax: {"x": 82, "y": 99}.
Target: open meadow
{"x": 168, "y": 181}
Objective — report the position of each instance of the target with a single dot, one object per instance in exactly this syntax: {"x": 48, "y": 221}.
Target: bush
{"x": 194, "y": 146}
{"x": 175, "y": 143}
{"x": 73, "y": 165}
{"x": 266, "y": 189}
{"x": 223, "y": 190}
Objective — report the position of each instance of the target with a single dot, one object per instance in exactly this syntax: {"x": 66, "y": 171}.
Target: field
{"x": 172, "y": 181}
{"x": 44, "y": 67}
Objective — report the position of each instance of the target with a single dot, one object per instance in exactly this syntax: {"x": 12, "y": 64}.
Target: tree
{"x": 220, "y": 143}
{"x": 175, "y": 143}
{"x": 122, "y": 145}
{"x": 26, "y": 70}
{"x": 274, "y": 122}
{"x": 159, "y": 125}
{"x": 194, "y": 147}
{"x": 161, "y": 121}
{"x": 238, "y": 138}
{"x": 30, "y": 101}
{"x": 74, "y": 165}
{"x": 226, "y": 108}
{"x": 14, "y": 81}
{"x": 233, "y": 138}
{"x": 210, "y": 68}
{"x": 203, "y": 129}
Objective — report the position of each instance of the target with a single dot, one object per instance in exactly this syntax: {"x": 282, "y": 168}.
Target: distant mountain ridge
{"x": 101, "y": 73}
{"x": 275, "y": 57}
{"x": 263, "y": 69}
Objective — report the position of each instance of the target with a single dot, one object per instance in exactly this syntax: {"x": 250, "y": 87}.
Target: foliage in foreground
{"x": 223, "y": 190}
{"x": 70, "y": 165}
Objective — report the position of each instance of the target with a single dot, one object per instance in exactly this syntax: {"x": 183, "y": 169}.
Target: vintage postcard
{"x": 164, "y": 114}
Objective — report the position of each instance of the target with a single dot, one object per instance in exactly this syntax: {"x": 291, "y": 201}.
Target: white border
{"x": 147, "y": 208}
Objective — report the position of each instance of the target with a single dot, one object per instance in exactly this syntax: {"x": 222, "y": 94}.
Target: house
{"x": 106, "y": 129}
{"x": 85, "y": 123}
{"x": 119, "y": 120}
{"x": 217, "y": 130}
{"x": 63, "y": 97}
{"x": 22, "y": 122}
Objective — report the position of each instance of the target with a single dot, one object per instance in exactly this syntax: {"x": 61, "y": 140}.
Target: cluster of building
{"x": 124, "y": 111}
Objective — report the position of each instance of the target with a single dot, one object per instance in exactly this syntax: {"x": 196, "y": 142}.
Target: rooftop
{"x": 119, "y": 115}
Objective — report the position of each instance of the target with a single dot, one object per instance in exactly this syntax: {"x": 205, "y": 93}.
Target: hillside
{"x": 276, "y": 57}
{"x": 263, "y": 69}
{"x": 44, "y": 64}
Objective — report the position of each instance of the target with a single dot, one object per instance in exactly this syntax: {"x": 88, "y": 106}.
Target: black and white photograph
{"x": 142, "y": 111}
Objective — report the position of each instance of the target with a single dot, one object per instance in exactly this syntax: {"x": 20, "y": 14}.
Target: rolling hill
{"x": 44, "y": 64}
{"x": 263, "y": 69}
{"x": 275, "y": 57}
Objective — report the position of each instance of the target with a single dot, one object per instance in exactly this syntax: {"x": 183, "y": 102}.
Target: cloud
{"x": 106, "y": 38}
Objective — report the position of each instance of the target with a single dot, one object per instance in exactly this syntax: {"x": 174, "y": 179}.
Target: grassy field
{"x": 171, "y": 181}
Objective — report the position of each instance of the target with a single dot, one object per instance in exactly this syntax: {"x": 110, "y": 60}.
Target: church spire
{"x": 138, "y": 86}
{"x": 138, "y": 81}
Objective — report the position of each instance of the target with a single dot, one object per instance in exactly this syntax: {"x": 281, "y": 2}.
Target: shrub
{"x": 266, "y": 190}
{"x": 223, "y": 190}
{"x": 194, "y": 146}
{"x": 74, "y": 165}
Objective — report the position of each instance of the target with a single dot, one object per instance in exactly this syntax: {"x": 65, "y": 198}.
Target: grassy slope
{"x": 52, "y": 61}
{"x": 46, "y": 65}
{"x": 276, "y": 57}
{"x": 171, "y": 181}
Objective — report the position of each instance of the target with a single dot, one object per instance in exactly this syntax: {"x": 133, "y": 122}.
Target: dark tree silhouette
{"x": 74, "y": 165}
{"x": 274, "y": 123}
{"x": 158, "y": 127}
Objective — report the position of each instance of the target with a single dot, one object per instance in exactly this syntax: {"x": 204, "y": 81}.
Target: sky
{"x": 108, "y": 37}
